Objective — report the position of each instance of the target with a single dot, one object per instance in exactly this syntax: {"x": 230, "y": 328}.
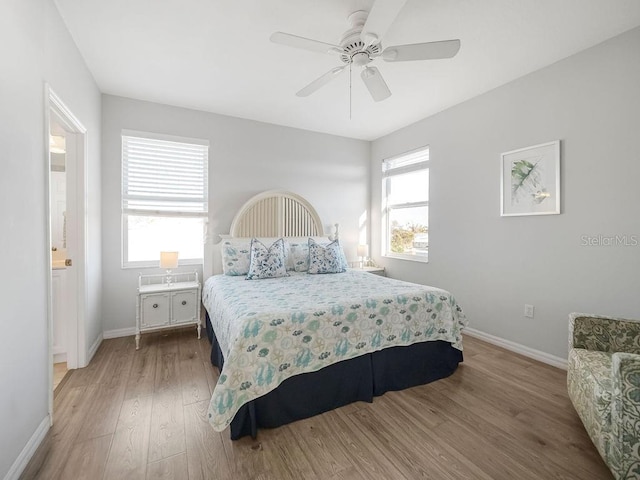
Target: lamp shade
{"x": 168, "y": 260}
{"x": 363, "y": 250}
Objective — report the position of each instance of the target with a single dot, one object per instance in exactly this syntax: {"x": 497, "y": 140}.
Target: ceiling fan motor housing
{"x": 355, "y": 51}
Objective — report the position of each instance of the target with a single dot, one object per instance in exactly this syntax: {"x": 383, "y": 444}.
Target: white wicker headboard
{"x": 271, "y": 214}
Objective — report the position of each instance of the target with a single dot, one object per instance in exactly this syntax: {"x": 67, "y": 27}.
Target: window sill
{"x": 156, "y": 264}
{"x": 410, "y": 258}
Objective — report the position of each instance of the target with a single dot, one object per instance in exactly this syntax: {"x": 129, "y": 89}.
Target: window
{"x": 405, "y": 197}
{"x": 164, "y": 198}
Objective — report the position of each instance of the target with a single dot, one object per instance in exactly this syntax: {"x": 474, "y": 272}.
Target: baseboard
{"x": 59, "y": 357}
{"x": 94, "y": 348}
{"x": 518, "y": 348}
{"x": 29, "y": 449}
{"x": 119, "y": 332}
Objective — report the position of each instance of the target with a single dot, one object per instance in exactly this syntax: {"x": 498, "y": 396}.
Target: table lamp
{"x": 363, "y": 253}
{"x": 168, "y": 261}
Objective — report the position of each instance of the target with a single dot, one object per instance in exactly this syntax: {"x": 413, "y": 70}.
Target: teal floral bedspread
{"x": 272, "y": 329}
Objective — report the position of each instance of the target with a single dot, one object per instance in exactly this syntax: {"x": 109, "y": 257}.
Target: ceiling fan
{"x": 361, "y": 45}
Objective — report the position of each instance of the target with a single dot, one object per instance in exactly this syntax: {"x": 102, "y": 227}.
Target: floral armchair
{"x": 603, "y": 379}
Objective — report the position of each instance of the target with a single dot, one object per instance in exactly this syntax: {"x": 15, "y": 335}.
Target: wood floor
{"x": 59, "y": 372}
{"x": 142, "y": 414}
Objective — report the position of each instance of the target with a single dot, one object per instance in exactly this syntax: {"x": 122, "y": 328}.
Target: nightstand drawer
{"x": 184, "y": 307}
{"x": 155, "y": 310}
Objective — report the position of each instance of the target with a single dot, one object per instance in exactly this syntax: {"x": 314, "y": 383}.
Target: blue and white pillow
{"x": 267, "y": 262}
{"x": 235, "y": 258}
{"x": 326, "y": 258}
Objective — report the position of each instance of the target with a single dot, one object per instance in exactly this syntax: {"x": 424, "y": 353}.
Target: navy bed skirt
{"x": 357, "y": 379}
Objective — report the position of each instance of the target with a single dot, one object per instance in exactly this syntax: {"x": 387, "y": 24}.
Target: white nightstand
{"x": 374, "y": 270}
{"x": 161, "y": 306}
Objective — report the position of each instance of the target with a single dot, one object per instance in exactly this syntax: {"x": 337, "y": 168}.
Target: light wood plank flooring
{"x": 142, "y": 414}
{"x": 59, "y": 372}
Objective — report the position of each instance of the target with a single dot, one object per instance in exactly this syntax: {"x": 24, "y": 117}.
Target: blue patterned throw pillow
{"x": 326, "y": 258}
{"x": 267, "y": 262}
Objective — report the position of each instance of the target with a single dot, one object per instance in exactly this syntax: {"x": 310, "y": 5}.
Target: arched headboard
{"x": 276, "y": 213}
{"x": 270, "y": 214}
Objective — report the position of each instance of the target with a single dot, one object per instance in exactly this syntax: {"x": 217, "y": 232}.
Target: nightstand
{"x": 374, "y": 270}
{"x": 161, "y": 305}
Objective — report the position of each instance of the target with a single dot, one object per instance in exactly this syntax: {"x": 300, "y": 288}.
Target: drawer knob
{"x": 155, "y": 305}
{"x": 184, "y": 302}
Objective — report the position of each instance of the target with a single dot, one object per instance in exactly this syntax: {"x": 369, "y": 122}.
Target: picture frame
{"x": 530, "y": 180}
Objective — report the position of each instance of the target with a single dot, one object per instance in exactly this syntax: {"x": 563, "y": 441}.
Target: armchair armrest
{"x": 604, "y": 334}
{"x": 625, "y": 415}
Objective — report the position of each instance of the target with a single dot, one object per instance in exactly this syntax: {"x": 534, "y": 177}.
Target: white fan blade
{"x": 376, "y": 85}
{"x": 321, "y": 81}
{"x": 381, "y": 16}
{"x": 421, "y": 51}
{"x": 304, "y": 43}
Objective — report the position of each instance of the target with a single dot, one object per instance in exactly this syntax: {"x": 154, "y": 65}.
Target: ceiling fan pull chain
{"x": 350, "y": 91}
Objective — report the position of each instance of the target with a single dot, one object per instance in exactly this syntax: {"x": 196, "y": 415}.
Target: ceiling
{"x": 215, "y": 55}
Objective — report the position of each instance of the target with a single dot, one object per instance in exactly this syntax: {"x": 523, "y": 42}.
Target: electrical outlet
{"x": 528, "y": 311}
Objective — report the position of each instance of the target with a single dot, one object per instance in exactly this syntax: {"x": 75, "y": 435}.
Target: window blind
{"x": 164, "y": 177}
{"x": 406, "y": 162}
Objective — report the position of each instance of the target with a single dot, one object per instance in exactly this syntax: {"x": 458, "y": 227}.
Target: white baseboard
{"x": 59, "y": 357}
{"x": 518, "y": 348}
{"x": 58, "y": 349}
{"x": 29, "y": 449}
{"x": 94, "y": 348}
{"x": 119, "y": 332}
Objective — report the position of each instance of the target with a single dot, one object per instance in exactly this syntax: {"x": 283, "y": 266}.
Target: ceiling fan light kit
{"x": 361, "y": 45}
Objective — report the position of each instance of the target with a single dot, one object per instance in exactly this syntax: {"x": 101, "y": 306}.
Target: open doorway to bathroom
{"x": 60, "y": 286}
{"x": 66, "y": 220}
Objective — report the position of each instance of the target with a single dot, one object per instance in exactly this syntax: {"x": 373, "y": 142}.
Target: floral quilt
{"x": 272, "y": 329}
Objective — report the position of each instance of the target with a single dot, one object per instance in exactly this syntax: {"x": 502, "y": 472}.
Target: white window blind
{"x": 407, "y": 162}
{"x": 164, "y": 177}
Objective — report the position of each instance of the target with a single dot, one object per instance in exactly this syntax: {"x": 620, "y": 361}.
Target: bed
{"x": 292, "y": 347}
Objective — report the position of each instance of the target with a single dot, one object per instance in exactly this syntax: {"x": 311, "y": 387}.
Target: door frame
{"x": 77, "y": 344}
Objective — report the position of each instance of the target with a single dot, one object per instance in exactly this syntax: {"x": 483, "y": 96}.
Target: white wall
{"x": 68, "y": 76}
{"x": 494, "y": 265}
{"x": 245, "y": 158}
{"x": 24, "y": 404}
{"x": 30, "y": 32}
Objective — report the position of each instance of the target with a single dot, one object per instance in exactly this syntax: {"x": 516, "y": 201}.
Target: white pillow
{"x": 299, "y": 256}
{"x": 235, "y": 257}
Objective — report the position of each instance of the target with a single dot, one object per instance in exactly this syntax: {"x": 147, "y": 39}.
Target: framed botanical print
{"x": 530, "y": 180}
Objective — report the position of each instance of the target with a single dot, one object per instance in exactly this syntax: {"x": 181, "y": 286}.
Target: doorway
{"x": 66, "y": 211}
